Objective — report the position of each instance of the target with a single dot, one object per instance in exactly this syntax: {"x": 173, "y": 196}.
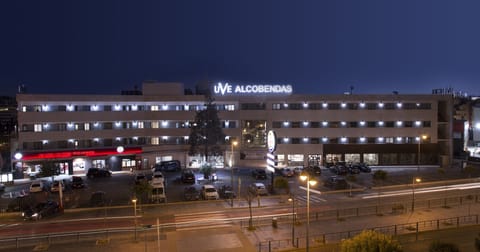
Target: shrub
{"x": 369, "y": 240}
{"x": 438, "y": 246}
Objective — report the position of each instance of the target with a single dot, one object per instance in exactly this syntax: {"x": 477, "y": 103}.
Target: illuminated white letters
{"x": 226, "y": 89}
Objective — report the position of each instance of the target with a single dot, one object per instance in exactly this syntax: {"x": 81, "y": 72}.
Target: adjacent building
{"x": 136, "y": 130}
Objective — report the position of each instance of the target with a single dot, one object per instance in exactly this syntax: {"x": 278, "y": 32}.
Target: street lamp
{"x": 234, "y": 143}
{"x": 414, "y": 180}
{"x": 292, "y": 199}
{"x": 310, "y": 182}
{"x": 420, "y": 138}
{"x": 134, "y": 201}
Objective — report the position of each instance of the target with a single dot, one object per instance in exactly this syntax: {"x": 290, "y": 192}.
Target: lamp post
{"x": 292, "y": 199}
{"x": 414, "y": 180}
{"x": 134, "y": 201}
{"x": 310, "y": 182}
{"x": 234, "y": 143}
{"x": 420, "y": 138}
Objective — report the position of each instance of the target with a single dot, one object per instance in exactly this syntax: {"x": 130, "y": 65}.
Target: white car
{"x": 36, "y": 186}
{"x": 158, "y": 177}
{"x": 209, "y": 192}
{"x": 258, "y": 189}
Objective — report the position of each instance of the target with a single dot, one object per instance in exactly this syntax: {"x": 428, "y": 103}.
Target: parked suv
{"x": 209, "y": 192}
{"x": 188, "y": 177}
{"x": 96, "y": 172}
{"x": 336, "y": 183}
{"x": 259, "y": 174}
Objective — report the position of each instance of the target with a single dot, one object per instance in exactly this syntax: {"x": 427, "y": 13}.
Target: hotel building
{"x": 138, "y": 129}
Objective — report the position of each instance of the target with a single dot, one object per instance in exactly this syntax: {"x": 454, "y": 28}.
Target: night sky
{"x": 318, "y": 46}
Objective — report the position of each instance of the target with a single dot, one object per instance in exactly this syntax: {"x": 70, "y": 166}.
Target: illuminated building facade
{"x": 82, "y": 131}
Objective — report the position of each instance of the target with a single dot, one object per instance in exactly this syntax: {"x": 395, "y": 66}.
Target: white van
{"x": 258, "y": 189}
{"x": 157, "y": 195}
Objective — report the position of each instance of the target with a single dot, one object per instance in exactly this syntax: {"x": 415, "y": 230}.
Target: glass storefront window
{"x": 370, "y": 158}
{"x": 352, "y": 158}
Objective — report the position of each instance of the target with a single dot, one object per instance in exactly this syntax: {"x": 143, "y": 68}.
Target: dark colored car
{"x": 259, "y": 174}
{"x": 353, "y": 169}
{"x": 226, "y": 192}
{"x": 187, "y": 177}
{"x": 170, "y": 166}
{"x": 191, "y": 193}
{"x": 97, "y": 173}
{"x": 315, "y": 170}
{"x": 77, "y": 182}
{"x": 98, "y": 199}
{"x": 364, "y": 167}
{"x": 336, "y": 183}
{"x": 41, "y": 210}
{"x": 20, "y": 203}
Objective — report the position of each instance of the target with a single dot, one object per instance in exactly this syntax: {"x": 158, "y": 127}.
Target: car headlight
{"x": 35, "y": 215}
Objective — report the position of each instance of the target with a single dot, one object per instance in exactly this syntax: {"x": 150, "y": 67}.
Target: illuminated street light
{"x": 234, "y": 143}
{"x": 134, "y": 201}
{"x": 414, "y": 180}
{"x": 422, "y": 137}
{"x": 310, "y": 182}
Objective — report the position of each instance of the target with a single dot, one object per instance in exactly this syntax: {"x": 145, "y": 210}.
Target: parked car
{"x": 188, "y": 176}
{"x": 37, "y": 186}
{"x": 191, "y": 193}
{"x": 97, "y": 172}
{"x": 77, "y": 182}
{"x": 209, "y": 192}
{"x": 258, "y": 189}
{"x": 315, "y": 170}
{"x": 170, "y": 166}
{"x": 259, "y": 174}
{"x": 287, "y": 172}
{"x": 298, "y": 170}
{"x": 336, "y": 183}
{"x": 98, "y": 199}
{"x": 57, "y": 184}
{"x": 140, "y": 178}
{"x": 364, "y": 167}
{"x": 353, "y": 169}
{"x": 226, "y": 192}
{"x": 41, "y": 210}
{"x": 157, "y": 177}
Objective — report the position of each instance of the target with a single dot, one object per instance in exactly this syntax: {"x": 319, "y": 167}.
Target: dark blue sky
{"x": 318, "y": 46}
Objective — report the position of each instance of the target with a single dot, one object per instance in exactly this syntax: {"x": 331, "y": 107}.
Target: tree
{"x": 282, "y": 183}
{"x": 49, "y": 169}
{"x": 141, "y": 190}
{"x": 206, "y": 135}
{"x": 369, "y": 240}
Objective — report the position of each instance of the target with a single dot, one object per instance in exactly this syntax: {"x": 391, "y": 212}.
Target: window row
{"x": 352, "y": 124}
{"x": 119, "y": 107}
{"x": 351, "y": 140}
{"x": 351, "y": 106}
{"x": 44, "y": 127}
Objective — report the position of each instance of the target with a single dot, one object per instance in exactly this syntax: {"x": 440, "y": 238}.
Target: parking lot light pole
{"x": 234, "y": 143}
{"x": 134, "y": 201}
{"x": 420, "y": 138}
{"x": 292, "y": 199}
{"x": 310, "y": 182}
{"x": 414, "y": 180}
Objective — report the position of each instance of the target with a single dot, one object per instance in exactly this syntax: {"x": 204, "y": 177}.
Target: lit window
{"x": 362, "y": 139}
{"x": 94, "y": 108}
{"x": 70, "y": 125}
{"x": 45, "y": 108}
{"x": 45, "y": 141}
{"x": 96, "y": 124}
{"x": 381, "y": 139}
{"x": 343, "y": 105}
{"x": 71, "y": 140}
{"x": 155, "y": 141}
{"x": 165, "y": 107}
{"x": 324, "y": 139}
{"x": 118, "y": 139}
{"x": 227, "y": 124}
{"x": 305, "y": 105}
{"x": 86, "y": 126}
{"x": 380, "y": 104}
{"x": 399, "y": 139}
{"x": 70, "y": 107}
{"x": 305, "y": 123}
{"x": 155, "y": 125}
{"x": 381, "y": 123}
{"x": 343, "y": 139}
{"x": 164, "y": 138}
{"x": 325, "y": 105}
{"x": 417, "y": 139}
{"x": 185, "y": 137}
{"x": 343, "y": 123}
{"x": 399, "y": 123}
{"x": 286, "y": 139}
{"x": 362, "y": 123}
{"x": 286, "y": 124}
{"x": 399, "y": 104}
{"x": 117, "y": 124}
{"x": 164, "y": 124}
{"x": 135, "y": 138}
{"x": 186, "y": 107}
{"x": 285, "y": 105}
{"x": 362, "y": 104}
{"x": 477, "y": 125}
{"x": 154, "y": 108}
{"x": 24, "y": 108}
{"x": 117, "y": 107}
{"x": 305, "y": 139}
{"x": 325, "y": 123}
{"x": 134, "y": 107}
{"x": 46, "y": 125}
{"x": 141, "y": 125}
{"x": 96, "y": 140}
{"x": 418, "y": 123}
